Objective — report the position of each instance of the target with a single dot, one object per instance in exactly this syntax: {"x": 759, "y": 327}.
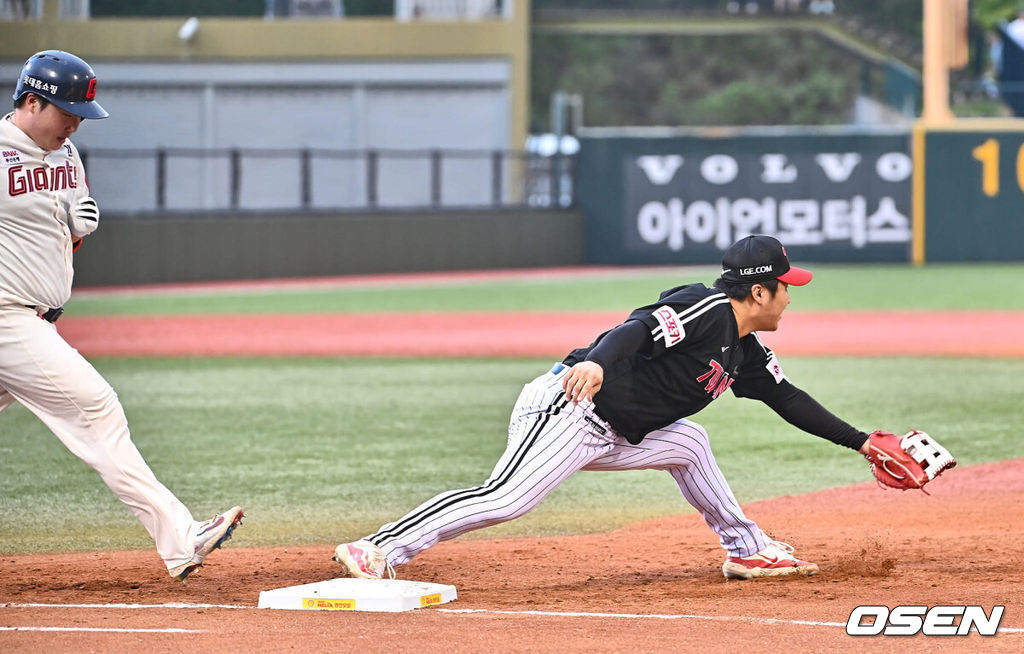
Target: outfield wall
{"x": 643, "y": 196}
{"x": 664, "y": 195}
{"x": 969, "y": 193}
{"x": 224, "y": 246}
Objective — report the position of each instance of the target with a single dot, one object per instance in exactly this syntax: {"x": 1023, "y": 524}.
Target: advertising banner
{"x": 684, "y": 199}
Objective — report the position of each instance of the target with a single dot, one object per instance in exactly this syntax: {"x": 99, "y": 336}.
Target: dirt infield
{"x": 651, "y": 587}
{"x": 975, "y": 334}
{"x": 661, "y": 580}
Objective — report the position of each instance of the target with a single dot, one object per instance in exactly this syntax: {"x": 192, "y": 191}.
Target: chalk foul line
{"x": 167, "y": 605}
{"x": 556, "y": 614}
{"x": 651, "y": 616}
{"x": 116, "y": 630}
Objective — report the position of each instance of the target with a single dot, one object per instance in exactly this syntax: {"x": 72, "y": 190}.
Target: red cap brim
{"x": 796, "y": 276}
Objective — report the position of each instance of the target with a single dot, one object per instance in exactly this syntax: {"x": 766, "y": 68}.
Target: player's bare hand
{"x": 583, "y": 381}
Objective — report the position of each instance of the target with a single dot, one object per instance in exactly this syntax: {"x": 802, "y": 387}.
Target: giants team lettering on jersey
{"x": 671, "y": 330}
{"x": 21, "y": 180}
{"x": 718, "y": 379}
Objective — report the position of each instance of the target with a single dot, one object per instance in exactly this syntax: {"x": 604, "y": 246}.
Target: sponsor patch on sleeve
{"x": 670, "y": 330}
{"x": 775, "y": 368}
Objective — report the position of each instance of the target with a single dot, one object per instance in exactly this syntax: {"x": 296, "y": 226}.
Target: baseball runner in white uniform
{"x": 45, "y": 211}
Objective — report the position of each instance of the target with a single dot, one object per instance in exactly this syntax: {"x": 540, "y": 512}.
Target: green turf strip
{"x": 936, "y": 287}
{"x": 324, "y": 450}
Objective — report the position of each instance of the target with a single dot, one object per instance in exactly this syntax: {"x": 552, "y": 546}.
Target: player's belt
{"x": 49, "y": 315}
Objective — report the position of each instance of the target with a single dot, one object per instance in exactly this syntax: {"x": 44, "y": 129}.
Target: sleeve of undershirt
{"x": 625, "y": 340}
{"x": 804, "y": 412}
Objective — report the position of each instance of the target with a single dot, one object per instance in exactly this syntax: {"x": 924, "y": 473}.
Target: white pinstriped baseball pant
{"x": 549, "y": 439}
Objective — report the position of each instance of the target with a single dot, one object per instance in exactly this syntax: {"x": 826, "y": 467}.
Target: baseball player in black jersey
{"x": 622, "y": 404}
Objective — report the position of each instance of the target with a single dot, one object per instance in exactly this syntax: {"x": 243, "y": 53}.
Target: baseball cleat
{"x": 209, "y": 536}
{"x": 364, "y": 560}
{"x": 775, "y": 560}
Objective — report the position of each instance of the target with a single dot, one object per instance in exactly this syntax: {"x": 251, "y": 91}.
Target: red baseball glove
{"x": 906, "y": 462}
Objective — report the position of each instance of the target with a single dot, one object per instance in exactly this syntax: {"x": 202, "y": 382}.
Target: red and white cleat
{"x": 364, "y": 560}
{"x": 775, "y": 560}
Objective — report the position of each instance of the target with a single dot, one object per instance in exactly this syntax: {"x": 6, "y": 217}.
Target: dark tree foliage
{"x": 898, "y": 15}
{"x": 109, "y": 8}
{"x": 783, "y": 79}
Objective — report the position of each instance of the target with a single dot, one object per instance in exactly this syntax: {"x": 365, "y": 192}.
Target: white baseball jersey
{"x": 38, "y": 190}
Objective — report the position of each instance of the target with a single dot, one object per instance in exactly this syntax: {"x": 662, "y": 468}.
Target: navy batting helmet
{"x": 63, "y": 79}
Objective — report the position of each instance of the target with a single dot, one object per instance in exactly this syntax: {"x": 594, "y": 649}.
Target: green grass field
{"x": 937, "y": 287}
{"x": 320, "y": 450}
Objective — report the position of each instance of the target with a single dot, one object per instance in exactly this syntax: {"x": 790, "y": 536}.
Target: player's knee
{"x": 697, "y": 436}
{"x": 698, "y": 431}
{"x": 108, "y": 408}
{"x": 504, "y": 513}
{"x": 688, "y": 434}
{"x": 102, "y": 410}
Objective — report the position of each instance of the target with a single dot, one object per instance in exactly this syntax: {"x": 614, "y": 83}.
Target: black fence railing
{"x": 308, "y": 179}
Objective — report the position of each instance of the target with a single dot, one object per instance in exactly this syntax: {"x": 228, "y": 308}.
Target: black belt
{"x": 50, "y": 315}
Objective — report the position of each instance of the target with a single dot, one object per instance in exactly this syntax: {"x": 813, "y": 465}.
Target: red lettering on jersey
{"x": 60, "y": 178}
{"x": 718, "y": 380}
{"x": 16, "y": 183}
{"x": 669, "y": 317}
{"x": 90, "y": 92}
{"x": 21, "y": 181}
{"x": 72, "y": 175}
{"x": 723, "y": 386}
{"x": 40, "y": 179}
{"x": 715, "y": 374}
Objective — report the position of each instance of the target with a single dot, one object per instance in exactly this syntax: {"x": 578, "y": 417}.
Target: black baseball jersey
{"x": 691, "y": 355}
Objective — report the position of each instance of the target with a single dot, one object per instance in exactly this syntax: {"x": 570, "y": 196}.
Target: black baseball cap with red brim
{"x": 759, "y": 258}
